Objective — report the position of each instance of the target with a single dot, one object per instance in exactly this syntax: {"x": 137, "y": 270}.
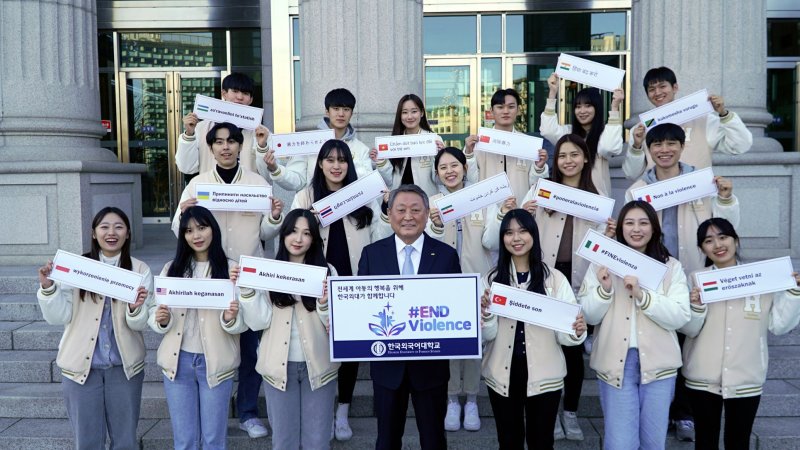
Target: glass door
{"x": 152, "y": 106}
{"x": 451, "y": 99}
{"x": 528, "y": 75}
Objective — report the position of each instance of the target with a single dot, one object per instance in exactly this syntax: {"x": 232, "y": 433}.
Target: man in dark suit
{"x": 409, "y": 252}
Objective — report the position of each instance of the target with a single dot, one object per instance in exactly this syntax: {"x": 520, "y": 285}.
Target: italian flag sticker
{"x": 589, "y": 245}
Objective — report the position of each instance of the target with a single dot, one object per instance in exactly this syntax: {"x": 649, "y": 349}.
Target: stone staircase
{"x": 32, "y": 414}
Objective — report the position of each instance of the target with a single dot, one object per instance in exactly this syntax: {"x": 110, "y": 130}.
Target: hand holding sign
{"x": 44, "y": 273}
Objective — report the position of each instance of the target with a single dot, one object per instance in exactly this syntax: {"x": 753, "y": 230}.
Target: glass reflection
{"x": 447, "y": 100}
{"x": 565, "y": 32}
{"x": 491, "y": 34}
{"x": 177, "y": 49}
{"x": 449, "y": 35}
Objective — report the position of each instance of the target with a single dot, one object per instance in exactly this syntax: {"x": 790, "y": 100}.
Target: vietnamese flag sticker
{"x": 485, "y": 139}
{"x": 383, "y": 147}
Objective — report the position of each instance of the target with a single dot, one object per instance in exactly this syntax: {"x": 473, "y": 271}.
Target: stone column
{"x": 371, "y": 47}
{"x": 721, "y": 46}
{"x": 54, "y": 175}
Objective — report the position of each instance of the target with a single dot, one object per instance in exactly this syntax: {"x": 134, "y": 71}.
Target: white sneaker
{"x": 342, "y": 429}
{"x": 254, "y": 427}
{"x": 452, "y": 421}
{"x": 558, "y": 432}
{"x": 472, "y": 421}
{"x": 571, "y": 426}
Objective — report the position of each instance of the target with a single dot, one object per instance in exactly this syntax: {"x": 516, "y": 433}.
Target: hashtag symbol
{"x": 413, "y": 312}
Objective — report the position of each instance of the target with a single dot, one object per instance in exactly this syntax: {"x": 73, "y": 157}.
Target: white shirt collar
{"x": 400, "y": 245}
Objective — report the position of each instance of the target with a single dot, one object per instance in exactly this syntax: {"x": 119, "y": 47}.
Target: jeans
{"x": 298, "y": 416}
{"x": 106, "y": 403}
{"x": 197, "y": 411}
{"x": 635, "y": 415}
{"x": 249, "y": 379}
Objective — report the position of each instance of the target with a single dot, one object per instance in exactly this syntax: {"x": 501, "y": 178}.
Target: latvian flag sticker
{"x": 646, "y": 198}
{"x": 161, "y": 291}
{"x": 383, "y": 147}
{"x": 593, "y": 248}
{"x": 544, "y": 193}
{"x": 327, "y": 211}
{"x": 447, "y": 209}
{"x": 62, "y": 268}
{"x": 202, "y": 108}
{"x": 709, "y": 286}
{"x": 249, "y": 269}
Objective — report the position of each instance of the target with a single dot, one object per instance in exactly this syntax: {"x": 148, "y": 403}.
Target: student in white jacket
{"x": 604, "y": 139}
{"x": 409, "y": 119}
{"x": 636, "y": 354}
{"x": 102, "y": 391}
{"x": 725, "y": 355}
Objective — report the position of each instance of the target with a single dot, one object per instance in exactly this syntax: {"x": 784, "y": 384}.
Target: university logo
{"x": 386, "y": 325}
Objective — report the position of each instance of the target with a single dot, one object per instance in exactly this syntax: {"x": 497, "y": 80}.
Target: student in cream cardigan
{"x": 102, "y": 391}
{"x": 636, "y": 354}
{"x": 725, "y": 355}
{"x": 294, "y": 356}
{"x": 603, "y": 139}
{"x": 467, "y": 235}
{"x": 560, "y": 236}
{"x": 523, "y": 364}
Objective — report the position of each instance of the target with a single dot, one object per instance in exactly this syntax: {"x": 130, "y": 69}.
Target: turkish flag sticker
{"x": 499, "y": 299}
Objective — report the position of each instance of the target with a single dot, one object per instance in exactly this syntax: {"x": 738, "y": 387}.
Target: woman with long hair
{"x": 604, "y": 139}
{"x": 560, "y": 236}
{"x": 636, "y": 354}
{"x": 730, "y": 336}
{"x": 102, "y": 392}
{"x": 467, "y": 235}
{"x": 342, "y": 241}
{"x": 525, "y": 402}
{"x": 199, "y": 354}
{"x": 410, "y": 119}
{"x": 293, "y": 356}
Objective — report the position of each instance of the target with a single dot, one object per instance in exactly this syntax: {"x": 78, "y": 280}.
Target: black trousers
{"x": 681, "y": 407}
{"x": 348, "y": 373}
{"x": 430, "y": 407}
{"x": 740, "y": 413}
{"x": 573, "y": 356}
{"x": 522, "y": 419}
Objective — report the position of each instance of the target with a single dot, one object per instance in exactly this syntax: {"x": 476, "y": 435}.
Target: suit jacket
{"x": 380, "y": 258}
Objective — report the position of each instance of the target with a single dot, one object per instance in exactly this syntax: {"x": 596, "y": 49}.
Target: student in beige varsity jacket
{"x": 603, "y": 139}
{"x": 721, "y": 131}
{"x": 523, "y": 364}
{"x": 420, "y": 170}
{"x": 199, "y": 353}
{"x": 725, "y": 354}
{"x": 343, "y": 241}
{"x": 294, "y": 356}
{"x": 560, "y": 236}
{"x": 467, "y": 236}
{"x": 505, "y": 108}
{"x": 193, "y": 154}
{"x": 101, "y": 353}
{"x": 636, "y": 354}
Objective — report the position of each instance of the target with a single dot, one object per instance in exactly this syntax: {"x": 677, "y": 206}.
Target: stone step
{"x": 790, "y": 338}
{"x": 27, "y": 366}
{"x": 41, "y": 335}
{"x": 52, "y": 434}
{"x": 18, "y": 280}
{"x": 43, "y": 400}
{"x": 7, "y": 333}
{"x": 20, "y": 307}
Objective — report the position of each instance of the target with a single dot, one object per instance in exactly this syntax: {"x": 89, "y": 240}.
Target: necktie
{"x": 408, "y": 265}
{"x": 459, "y": 237}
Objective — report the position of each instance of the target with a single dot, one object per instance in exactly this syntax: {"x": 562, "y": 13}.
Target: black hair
{"x": 538, "y": 269}
{"x": 399, "y": 129}
{"x": 315, "y": 256}
{"x": 499, "y": 97}
{"x": 452, "y": 151}
{"x": 585, "y": 183}
{"x": 319, "y": 187}
{"x": 235, "y": 133}
{"x": 665, "y": 132}
{"x": 183, "y": 263}
{"x": 655, "y": 248}
{"x": 589, "y": 96}
{"x": 340, "y": 97}
{"x": 94, "y": 252}
{"x": 657, "y": 75}
{"x": 239, "y": 82}
{"x": 724, "y": 227}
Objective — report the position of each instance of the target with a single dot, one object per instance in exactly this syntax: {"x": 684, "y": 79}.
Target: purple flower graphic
{"x": 385, "y": 327}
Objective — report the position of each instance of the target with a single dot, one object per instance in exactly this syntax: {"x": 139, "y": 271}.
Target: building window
{"x": 444, "y": 35}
